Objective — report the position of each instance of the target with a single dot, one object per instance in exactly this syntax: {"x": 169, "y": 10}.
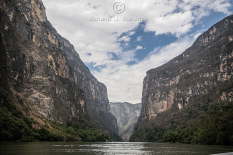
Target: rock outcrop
{"x": 43, "y": 74}
{"x": 127, "y": 115}
{"x": 202, "y": 75}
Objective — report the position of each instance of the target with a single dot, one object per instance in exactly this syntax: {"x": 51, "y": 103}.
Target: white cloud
{"x": 125, "y": 39}
{"x": 139, "y": 47}
{"x": 82, "y": 23}
{"x": 176, "y": 23}
{"x": 126, "y": 81}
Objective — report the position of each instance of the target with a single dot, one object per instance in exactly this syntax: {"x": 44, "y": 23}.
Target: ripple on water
{"x": 106, "y": 148}
{"x": 114, "y": 148}
{"x": 139, "y": 148}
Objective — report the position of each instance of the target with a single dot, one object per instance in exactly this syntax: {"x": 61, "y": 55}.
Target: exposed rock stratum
{"x": 186, "y": 89}
{"x": 43, "y": 75}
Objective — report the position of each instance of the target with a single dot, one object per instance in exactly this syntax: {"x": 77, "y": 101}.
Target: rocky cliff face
{"x": 202, "y": 75}
{"x": 43, "y": 73}
{"x": 127, "y": 116}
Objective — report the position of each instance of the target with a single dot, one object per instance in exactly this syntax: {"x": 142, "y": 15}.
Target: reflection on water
{"x": 106, "y": 149}
{"x": 116, "y": 148}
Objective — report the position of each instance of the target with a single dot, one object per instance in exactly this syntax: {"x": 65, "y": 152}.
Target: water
{"x": 118, "y": 148}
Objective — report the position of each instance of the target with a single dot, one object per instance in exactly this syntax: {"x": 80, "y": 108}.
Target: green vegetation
{"x": 89, "y": 135}
{"x": 15, "y": 126}
{"x": 213, "y": 125}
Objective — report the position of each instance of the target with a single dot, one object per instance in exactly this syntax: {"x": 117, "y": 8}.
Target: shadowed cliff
{"x": 42, "y": 76}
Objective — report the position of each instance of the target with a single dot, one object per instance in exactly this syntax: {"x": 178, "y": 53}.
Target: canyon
{"x": 187, "y": 98}
{"x": 47, "y": 93}
{"x": 42, "y": 76}
{"x": 127, "y": 115}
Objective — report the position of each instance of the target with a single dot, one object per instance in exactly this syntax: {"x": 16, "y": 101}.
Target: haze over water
{"x": 108, "y": 148}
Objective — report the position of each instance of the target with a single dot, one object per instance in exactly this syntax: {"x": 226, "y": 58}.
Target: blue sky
{"x": 119, "y": 48}
{"x": 145, "y": 41}
{"x": 148, "y": 40}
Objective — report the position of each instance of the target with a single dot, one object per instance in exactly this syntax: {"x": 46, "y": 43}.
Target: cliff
{"x": 192, "y": 90}
{"x": 42, "y": 74}
{"x": 127, "y": 116}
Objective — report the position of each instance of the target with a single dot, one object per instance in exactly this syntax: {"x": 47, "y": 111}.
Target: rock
{"x": 203, "y": 73}
{"x": 127, "y": 115}
{"x": 44, "y": 73}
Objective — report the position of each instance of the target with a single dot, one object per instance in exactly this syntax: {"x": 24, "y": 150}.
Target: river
{"x": 108, "y": 148}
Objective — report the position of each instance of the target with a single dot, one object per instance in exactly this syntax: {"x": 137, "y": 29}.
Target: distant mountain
{"x": 127, "y": 115}
{"x": 189, "y": 99}
{"x": 46, "y": 91}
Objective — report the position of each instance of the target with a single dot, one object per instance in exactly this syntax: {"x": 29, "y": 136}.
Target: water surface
{"x": 114, "y": 148}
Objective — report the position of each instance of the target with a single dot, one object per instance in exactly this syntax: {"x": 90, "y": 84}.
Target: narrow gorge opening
{"x": 174, "y": 58}
{"x": 127, "y": 115}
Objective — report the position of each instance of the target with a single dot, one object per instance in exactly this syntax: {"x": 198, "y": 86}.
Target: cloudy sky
{"x": 119, "y": 40}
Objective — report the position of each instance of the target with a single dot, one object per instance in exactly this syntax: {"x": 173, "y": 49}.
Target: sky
{"x": 120, "y": 40}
